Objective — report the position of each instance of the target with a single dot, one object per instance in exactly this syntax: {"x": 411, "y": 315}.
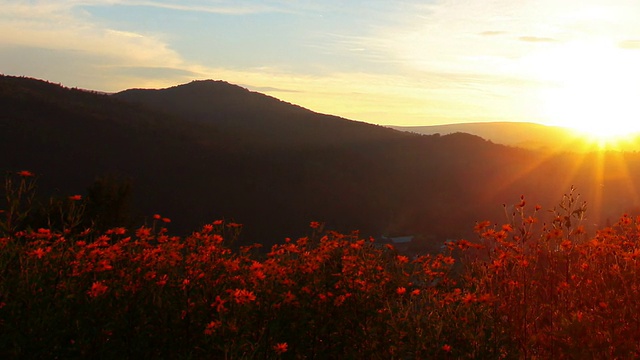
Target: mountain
{"x": 209, "y": 150}
{"x": 265, "y": 120}
{"x": 523, "y": 134}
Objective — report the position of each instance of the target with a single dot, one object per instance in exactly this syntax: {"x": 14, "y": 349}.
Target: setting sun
{"x": 594, "y": 89}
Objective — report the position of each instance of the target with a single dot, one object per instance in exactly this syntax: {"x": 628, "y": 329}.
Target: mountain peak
{"x": 210, "y": 85}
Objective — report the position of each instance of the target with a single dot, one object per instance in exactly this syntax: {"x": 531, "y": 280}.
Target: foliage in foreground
{"x": 523, "y": 289}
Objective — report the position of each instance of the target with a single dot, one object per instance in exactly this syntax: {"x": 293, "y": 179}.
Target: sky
{"x": 390, "y": 62}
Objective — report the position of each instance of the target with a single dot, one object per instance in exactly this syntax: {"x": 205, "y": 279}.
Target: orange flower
{"x": 603, "y": 305}
{"x": 501, "y": 235}
{"x": 163, "y": 280}
{"x": 211, "y": 327}
{"x": 117, "y": 231}
{"x": 143, "y": 232}
{"x": 281, "y": 348}
{"x": 566, "y": 245}
{"x": 448, "y": 260}
{"x": 39, "y": 253}
{"x": 289, "y": 297}
{"x": 218, "y": 304}
{"x": 25, "y": 173}
{"x": 481, "y": 226}
{"x": 97, "y": 289}
{"x": 242, "y": 296}
{"x": 468, "y": 298}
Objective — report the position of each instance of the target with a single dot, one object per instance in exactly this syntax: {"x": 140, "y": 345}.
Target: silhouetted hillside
{"x": 264, "y": 120}
{"x": 525, "y": 135}
{"x": 209, "y": 150}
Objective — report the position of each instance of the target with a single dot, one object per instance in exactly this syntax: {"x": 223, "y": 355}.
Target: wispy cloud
{"x": 225, "y": 8}
{"x": 48, "y": 30}
{"x": 537, "y": 39}
{"x": 630, "y": 44}
{"x": 269, "y": 89}
{"x": 492, "y": 33}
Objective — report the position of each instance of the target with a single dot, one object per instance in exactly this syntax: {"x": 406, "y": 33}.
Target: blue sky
{"x": 400, "y": 62}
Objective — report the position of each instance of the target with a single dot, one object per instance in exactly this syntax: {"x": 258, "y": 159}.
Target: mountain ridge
{"x": 274, "y": 169}
{"x": 528, "y": 135}
{"x": 274, "y": 121}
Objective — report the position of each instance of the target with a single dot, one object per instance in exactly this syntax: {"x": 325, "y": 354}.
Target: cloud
{"x": 629, "y": 44}
{"x": 492, "y": 33}
{"x": 57, "y": 35}
{"x": 537, "y": 39}
{"x": 236, "y": 8}
{"x": 270, "y": 89}
{"x": 153, "y": 72}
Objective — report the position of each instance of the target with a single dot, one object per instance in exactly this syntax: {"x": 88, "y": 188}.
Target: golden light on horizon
{"x": 594, "y": 89}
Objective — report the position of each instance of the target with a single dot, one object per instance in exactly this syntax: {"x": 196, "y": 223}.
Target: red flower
{"x": 75, "y": 197}
{"x": 143, "y": 232}
{"x": 401, "y": 290}
{"x": 26, "y": 173}
{"x": 242, "y": 296}
{"x": 446, "y": 347}
{"x": 314, "y": 225}
{"x": 481, "y": 226}
{"x": 281, "y": 348}
{"x": 468, "y": 298}
{"x": 218, "y": 304}
{"x": 211, "y": 327}
{"x": 39, "y": 253}
{"x": 603, "y": 305}
{"x": 97, "y": 289}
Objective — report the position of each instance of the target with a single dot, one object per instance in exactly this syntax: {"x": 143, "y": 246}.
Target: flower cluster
{"x": 523, "y": 289}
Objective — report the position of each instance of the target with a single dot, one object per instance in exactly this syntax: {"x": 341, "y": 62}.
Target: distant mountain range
{"x": 525, "y": 135}
{"x": 209, "y": 150}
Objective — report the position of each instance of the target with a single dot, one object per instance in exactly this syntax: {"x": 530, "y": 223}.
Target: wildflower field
{"x": 534, "y": 286}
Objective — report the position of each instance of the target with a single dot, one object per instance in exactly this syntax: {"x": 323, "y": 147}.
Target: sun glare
{"x": 594, "y": 89}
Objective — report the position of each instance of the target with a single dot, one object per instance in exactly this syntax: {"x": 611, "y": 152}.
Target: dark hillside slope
{"x": 193, "y": 172}
{"x": 265, "y": 120}
{"x": 274, "y": 167}
{"x": 69, "y": 137}
{"x": 527, "y": 135}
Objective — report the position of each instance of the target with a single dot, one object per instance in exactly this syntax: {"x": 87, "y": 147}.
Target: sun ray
{"x": 575, "y": 160}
